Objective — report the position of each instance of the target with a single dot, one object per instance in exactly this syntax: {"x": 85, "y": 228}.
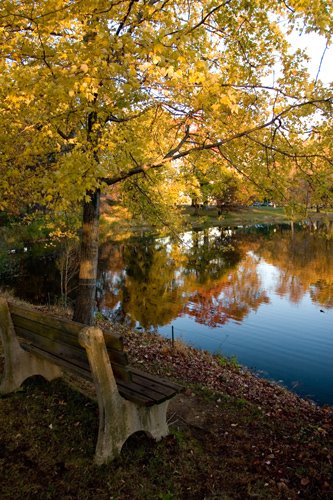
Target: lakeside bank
{"x": 205, "y": 217}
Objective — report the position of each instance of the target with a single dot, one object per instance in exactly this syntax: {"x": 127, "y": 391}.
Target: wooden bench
{"x": 129, "y": 400}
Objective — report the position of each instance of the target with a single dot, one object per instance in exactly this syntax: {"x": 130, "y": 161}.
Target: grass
{"x": 121, "y": 227}
{"x": 243, "y": 216}
{"x": 228, "y": 361}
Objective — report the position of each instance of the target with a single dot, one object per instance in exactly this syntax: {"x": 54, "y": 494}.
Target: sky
{"x": 314, "y": 45}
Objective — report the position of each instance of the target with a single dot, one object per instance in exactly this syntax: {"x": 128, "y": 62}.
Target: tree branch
{"x": 204, "y": 19}
{"x": 122, "y": 24}
{"x": 175, "y": 154}
{"x": 290, "y": 155}
{"x": 321, "y": 62}
{"x": 201, "y": 22}
{"x": 243, "y": 174}
{"x": 175, "y": 150}
{"x": 116, "y": 119}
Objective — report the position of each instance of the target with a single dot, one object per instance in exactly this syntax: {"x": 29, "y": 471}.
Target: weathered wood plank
{"x": 113, "y": 340}
{"x": 131, "y": 395}
{"x": 126, "y": 390}
{"x": 76, "y": 369}
{"x": 149, "y": 394}
{"x": 54, "y": 339}
{"x": 64, "y": 326}
{"x": 146, "y": 386}
{"x": 72, "y": 356}
{"x": 153, "y": 378}
{"x": 47, "y": 331}
{"x": 69, "y": 353}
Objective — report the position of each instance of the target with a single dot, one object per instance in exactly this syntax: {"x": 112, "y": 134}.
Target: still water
{"x": 263, "y": 294}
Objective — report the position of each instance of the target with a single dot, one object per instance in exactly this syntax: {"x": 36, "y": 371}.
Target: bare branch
{"x": 64, "y": 136}
{"x": 201, "y": 22}
{"x": 204, "y": 19}
{"x": 244, "y": 174}
{"x": 321, "y": 62}
{"x": 117, "y": 119}
{"x": 288, "y": 7}
{"x": 290, "y": 155}
{"x": 122, "y": 24}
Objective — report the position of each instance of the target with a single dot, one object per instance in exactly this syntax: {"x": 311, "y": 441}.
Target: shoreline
{"x": 248, "y": 216}
{"x": 221, "y": 374}
{"x": 157, "y": 354}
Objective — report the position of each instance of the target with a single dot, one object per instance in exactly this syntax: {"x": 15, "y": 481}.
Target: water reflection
{"x": 233, "y": 295}
{"x": 30, "y": 273}
{"x": 263, "y": 294}
{"x": 305, "y": 263}
{"x": 213, "y": 275}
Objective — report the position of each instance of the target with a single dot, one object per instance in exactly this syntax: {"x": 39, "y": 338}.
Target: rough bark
{"x": 85, "y": 301}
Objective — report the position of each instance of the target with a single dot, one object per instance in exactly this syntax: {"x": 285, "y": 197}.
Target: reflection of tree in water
{"x": 152, "y": 294}
{"x": 158, "y": 287}
{"x": 322, "y": 293}
{"x": 111, "y": 280}
{"x": 210, "y": 255}
{"x": 212, "y": 275}
{"x": 232, "y": 297}
{"x": 305, "y": 260}
{"x": 31, "y": 275}
{"x": 158, "y": 277}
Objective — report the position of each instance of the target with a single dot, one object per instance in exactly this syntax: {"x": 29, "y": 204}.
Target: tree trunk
{"x": 85, "y": 302}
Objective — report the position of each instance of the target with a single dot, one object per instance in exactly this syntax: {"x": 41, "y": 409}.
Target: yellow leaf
{"x": 84, "y": 68}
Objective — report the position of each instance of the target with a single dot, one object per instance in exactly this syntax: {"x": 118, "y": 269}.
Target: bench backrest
{"x": 57, "y": 339}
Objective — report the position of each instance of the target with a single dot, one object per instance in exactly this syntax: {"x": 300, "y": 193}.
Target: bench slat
{"x": 69, "y": 353}
{"x": 152, "y": 389}
{"x": 67, "y": 337}
{"x": 128, "y": 393}
{"x": 151, "y": 396}
{"x": 31, "y": 331}
{"x": 76, "y": 369}
{"x": 48, "y": 332}
{"x": 55, "y": 339}
{"x": 154, "y": 378}
{"x": 63, "y": 325}
{"x": 73, "y": 356}
{"x": 126, "y": 389}
{"x": 148, "y": 386}
{"x": 132, "y": 392}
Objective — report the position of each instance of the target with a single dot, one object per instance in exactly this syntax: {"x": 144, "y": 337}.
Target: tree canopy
{"x": 96, "y": 92}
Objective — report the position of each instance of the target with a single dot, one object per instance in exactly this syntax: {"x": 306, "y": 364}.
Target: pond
{"x": 263, "y": 294}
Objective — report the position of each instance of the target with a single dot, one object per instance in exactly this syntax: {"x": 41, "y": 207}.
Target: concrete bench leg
{"x": 19, "y": 364}
{"x": 118, "y": 418}
{"x": 153, "y": 420}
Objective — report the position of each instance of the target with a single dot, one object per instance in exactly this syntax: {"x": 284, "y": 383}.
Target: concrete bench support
{"x": 20, "y": 364}
{"x": 118, "y": 417}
